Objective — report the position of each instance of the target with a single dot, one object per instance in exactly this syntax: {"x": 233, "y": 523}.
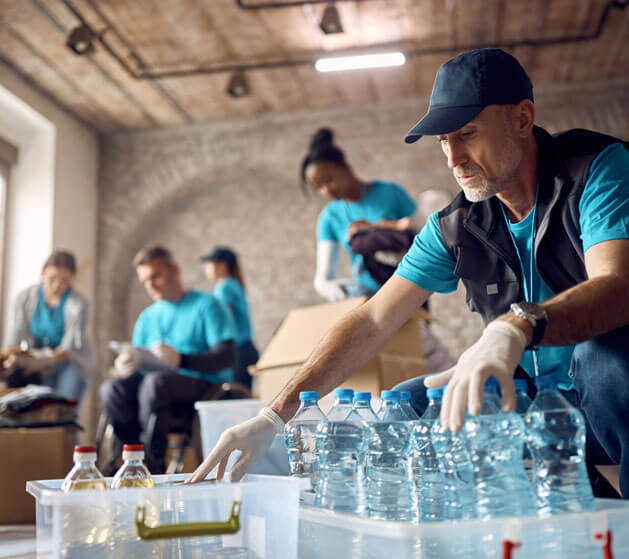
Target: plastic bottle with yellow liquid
{"x": 84, "y": 474}
{"x": 133, "y": 472}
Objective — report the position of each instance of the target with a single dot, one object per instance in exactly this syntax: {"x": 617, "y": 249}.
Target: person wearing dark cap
{"x": 223, "y": 271}
{"x": 50, "y": 326}
{"x": 539, "y": 236}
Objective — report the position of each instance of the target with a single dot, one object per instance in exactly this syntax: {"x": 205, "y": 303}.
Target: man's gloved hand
{"x": 253, "y": 438}
{"x": 127, "y": 362}
{"x": 496, "y": 354}
{"x": 167, "y": 354}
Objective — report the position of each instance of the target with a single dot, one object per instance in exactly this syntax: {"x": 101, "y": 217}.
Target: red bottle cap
{"x": 133, "y": 448}
{"x": 84, "y": 449}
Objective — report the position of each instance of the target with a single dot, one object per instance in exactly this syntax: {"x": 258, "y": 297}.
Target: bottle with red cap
{"x": 133, "y": 472}
{"x": 84, "y": 474}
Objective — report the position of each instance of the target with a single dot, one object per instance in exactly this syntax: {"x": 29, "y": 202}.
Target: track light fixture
{"x": 331, "y": 21}
{"x": 237, "y": 85}
{"x": 81, "y": 40}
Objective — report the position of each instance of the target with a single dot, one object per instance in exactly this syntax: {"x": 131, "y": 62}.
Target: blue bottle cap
{"x": 491, "y": 385}
{"x": 405, "y": 396}
{"x": 362, "y": 396}
{"x": 390, "y": 395}
{"x": 546, "y": 380}
{"x": 343, "y": 393}
{"x": 435, "y": 393}
{"x": 520, "y": 384}
{"x": 308, "y": 395}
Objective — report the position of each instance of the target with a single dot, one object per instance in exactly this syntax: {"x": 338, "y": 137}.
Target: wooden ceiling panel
{"x": 125, "y": 86}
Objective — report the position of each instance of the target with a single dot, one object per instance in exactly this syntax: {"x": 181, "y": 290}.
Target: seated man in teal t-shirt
{"x": 190, "y": 332}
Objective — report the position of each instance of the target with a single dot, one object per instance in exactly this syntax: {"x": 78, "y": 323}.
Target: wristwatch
{"x": 536, "y": 316}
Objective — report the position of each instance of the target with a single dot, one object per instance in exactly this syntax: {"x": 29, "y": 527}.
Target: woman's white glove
{"x": 496, "y": 354}
{"x": 127, "y": 362}
{"x": 253, "y": 438}
{"x": 167, "y": 354}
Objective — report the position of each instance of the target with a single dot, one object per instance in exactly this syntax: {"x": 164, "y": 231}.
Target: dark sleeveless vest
{"x": 477, "y": 237}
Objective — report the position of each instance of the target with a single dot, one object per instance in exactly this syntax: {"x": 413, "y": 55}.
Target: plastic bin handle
{"x": 190, "y": 530}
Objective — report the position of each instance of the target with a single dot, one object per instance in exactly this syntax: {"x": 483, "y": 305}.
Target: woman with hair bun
{"x": 355, "y": 206}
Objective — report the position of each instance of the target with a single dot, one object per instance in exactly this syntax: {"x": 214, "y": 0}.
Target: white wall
{"x": 53, "y": 191}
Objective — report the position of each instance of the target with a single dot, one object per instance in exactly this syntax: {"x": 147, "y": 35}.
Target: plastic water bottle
{"x": 84, "y": 474}
{"x": 362, "y": 406}
{"x": 459, "y": 492}
{"x": 405, "y": 404}
{"x": 341, "y": 454}
{"x": 495, "y": 441}
{"x": 428, "y": 480}
{"x": 393, "y": 399}
{"x": 522, "y": 404}
{"x": 299, "y": 436}
{"x": 343, "y": 404}
{"x": 390, "y": 488}
{"x": 133, "y": 472}
{"x": 556, "y": 439}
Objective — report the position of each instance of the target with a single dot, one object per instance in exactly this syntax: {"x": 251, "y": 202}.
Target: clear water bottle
{"x": 133, "y": 472}
{"x": 343, "y": 404}
{"x": 459, "y": 491}
{"x": 341, "y": 455}
{"x": 390, "y": 487}
{"x": 362, "y": 406}
{"x": 405, "y": 404}
{"x": 495, "y": 441}
{"x": 556, "y": 439}
{"x": 428, "y": 480}
{"x": 299, "y": 436}
{"x": 84, "y": 474}
{"x": 522, "y": 404}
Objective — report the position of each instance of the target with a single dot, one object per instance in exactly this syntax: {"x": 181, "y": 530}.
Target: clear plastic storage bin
{"x": 255, "y": 519}
{"x": 216, "y": 416}
{"x": 324, "y": 534}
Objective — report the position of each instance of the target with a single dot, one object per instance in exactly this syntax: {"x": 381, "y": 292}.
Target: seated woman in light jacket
{"x": 50, "y": 325}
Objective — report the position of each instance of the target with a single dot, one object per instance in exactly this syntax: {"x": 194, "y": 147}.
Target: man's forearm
{"x": 587, "y": 310}
{"x": 344, "y": 349}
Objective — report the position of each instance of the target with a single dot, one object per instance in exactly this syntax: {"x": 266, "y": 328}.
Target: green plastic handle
{"x": 191, "y": 530}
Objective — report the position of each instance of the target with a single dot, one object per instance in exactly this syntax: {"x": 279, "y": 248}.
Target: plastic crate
{"x": 216, "y": 416}
{"x": 325, "y": 534}
{"x": 120, "y": 524}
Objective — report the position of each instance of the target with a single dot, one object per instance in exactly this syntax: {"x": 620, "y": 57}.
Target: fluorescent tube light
{"x": 338, "y": 63}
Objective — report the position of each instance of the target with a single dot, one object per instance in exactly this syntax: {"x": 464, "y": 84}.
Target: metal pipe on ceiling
{"x": 143, "y": 71}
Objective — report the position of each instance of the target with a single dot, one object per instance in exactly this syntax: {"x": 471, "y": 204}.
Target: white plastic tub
{"x": 105, "y": 525}
{"x": 216, "y": 417}
{"x": 325, "y": 535}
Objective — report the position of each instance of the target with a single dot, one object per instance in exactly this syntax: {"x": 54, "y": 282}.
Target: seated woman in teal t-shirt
{"x": 355, "y": 205}
{"x": 222, "y": 270}
{"x": 50, "y": 325}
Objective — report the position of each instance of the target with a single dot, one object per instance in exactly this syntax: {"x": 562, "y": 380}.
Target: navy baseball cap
{"x": 222, "y": 254}
{"x": 467, "y": 84}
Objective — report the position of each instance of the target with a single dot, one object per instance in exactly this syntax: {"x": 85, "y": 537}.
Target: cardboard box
{"x": 30, "y": 454}
{"x": 301, "y": 330}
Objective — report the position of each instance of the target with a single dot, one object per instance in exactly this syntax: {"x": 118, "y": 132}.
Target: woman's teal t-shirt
{"x": 231, "y": 294}
{"x": 384, "y": 200}
{"x": 47, "y": 323}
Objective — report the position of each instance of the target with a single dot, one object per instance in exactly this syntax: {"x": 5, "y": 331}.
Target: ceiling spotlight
{"x": 81, "y": 40}
{"x": 331, "y": 21}
{"x": 237, "y": 86}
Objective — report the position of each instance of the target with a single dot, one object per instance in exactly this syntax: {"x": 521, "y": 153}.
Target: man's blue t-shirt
{"x": 603, "y": 216}
{"x": 231, "y": 294}
{"x": 190, "y": 325}
{"x": 384, "y": 200}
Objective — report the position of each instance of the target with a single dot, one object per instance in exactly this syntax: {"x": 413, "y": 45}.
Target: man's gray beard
{"x": 484, "y": 192}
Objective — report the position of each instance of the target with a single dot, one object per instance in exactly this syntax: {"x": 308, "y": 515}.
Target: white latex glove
{"x": 167, "y": 354}
{"x": 252, "y": 437}
{"x": 496, "y": 354}
{"x": 331, "y": 290}
{"x": 127, "y": 362}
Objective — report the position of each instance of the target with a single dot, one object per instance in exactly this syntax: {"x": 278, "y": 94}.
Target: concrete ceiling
{"x": 168, "y": 62}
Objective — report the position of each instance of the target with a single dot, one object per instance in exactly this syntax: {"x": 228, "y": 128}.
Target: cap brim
{"x": 442, "y": 121}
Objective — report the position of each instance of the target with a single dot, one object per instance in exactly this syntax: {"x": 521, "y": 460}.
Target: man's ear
{"x": 526, "y": 117}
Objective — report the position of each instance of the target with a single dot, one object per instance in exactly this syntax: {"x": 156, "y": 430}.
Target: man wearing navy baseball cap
{"x": 539, "y": 236}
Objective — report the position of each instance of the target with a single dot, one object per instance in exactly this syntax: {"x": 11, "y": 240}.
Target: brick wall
{"x": 236, "y": 183}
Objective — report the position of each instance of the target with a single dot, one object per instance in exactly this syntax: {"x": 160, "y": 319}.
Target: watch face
{"x": 533, "y": 309}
